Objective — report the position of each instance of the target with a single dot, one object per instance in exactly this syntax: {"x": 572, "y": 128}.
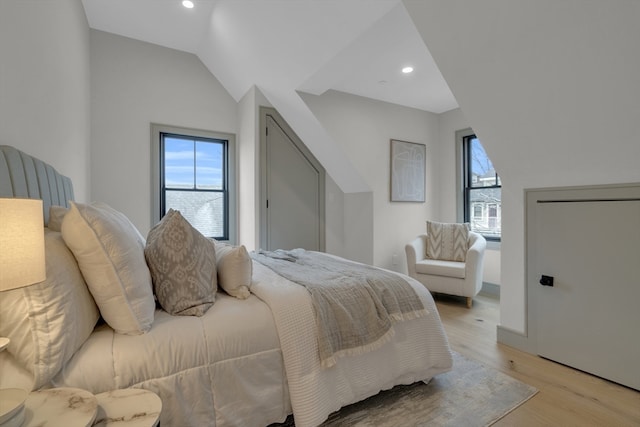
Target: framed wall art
{"x": 408, "y": 174}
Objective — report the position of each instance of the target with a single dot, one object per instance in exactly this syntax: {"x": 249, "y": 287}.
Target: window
{"x": 481, "y": 189}
{"x": 195, "y": 176}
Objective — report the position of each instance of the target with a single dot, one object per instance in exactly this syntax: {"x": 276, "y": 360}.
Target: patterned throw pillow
{"x": 183, "y": 266}
{"x": 447, "y": 242}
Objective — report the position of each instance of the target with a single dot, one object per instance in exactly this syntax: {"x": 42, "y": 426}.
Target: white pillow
{"x": 234, "y": 269}
{"x": 110, "y": 253}
{"x": 49, "y": 321}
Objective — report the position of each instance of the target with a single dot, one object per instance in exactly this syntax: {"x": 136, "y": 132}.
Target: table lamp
{"x": 21, "y": 243}
{"x": 22, "y": 264}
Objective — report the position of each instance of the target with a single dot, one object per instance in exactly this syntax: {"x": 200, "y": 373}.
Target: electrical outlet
{"x": 394, "y": 259}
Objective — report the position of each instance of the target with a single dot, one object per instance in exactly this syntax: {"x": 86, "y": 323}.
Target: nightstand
{"x": 72, "y": 407}
{"x": 65, "y": 406}
{"x": 129, "y": 407}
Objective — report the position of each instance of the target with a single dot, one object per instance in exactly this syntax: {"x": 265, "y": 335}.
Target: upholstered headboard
{"x": 27, "y": 177}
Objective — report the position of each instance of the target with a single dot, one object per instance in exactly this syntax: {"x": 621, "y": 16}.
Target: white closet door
{"x": 590, "y": 318}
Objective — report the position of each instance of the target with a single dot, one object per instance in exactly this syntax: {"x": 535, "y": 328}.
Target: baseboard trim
{"x": 515, "y": 339}
{"x": 490, "y": 289}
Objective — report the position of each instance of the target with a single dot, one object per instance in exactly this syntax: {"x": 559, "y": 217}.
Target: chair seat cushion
{"x": 438, "y": 267}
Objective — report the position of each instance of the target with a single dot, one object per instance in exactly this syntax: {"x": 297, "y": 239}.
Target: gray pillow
{"x": 182, "y": 263}
{"x": 447, "y": 242}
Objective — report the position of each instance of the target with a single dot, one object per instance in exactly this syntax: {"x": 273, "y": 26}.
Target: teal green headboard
{"x": 23, "y": 176}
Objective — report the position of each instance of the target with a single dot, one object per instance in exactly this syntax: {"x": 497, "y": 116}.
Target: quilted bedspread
{"x": 417, "y": 351}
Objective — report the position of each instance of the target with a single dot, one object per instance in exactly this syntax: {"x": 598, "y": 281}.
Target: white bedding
{"x": 227, "y": 368}
{"x": 222, "y": 369}
{"x": 418, "y": 351}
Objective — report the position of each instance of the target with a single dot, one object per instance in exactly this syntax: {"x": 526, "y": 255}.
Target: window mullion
{"x": 195, "y": 184}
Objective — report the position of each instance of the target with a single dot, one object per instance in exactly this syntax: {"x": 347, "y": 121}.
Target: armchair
{"x": 448, "y": 277}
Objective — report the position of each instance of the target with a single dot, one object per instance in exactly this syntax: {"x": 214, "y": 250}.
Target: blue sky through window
{"x": 193, "y": 164}
{"x": 480, "y": 162}
{"x": 481, "y": 165}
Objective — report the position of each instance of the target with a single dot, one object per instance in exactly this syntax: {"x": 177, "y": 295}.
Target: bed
{"x": 245, "y": 361}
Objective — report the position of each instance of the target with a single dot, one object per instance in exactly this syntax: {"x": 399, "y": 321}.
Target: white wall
{"x": 359, "y": 227}
{"x": 134, "y": 84}
{"x": 450, "y": 122}
{"x": 334, "y": 218}
{"x": 249, "y": 165}
{"x": 363, "y": 128}
{"x": 551, "y": 88}
{"x": 44, "y": 84}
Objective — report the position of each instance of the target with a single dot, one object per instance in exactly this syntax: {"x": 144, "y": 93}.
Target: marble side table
{"x": 69, "y": 407}
{"x": 128, "y": 408}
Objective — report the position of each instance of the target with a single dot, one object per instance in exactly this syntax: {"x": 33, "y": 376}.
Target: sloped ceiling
{"x": 551, "y": 87}
{"x": 355, "y": 46}
{"x": 286, "y": 46}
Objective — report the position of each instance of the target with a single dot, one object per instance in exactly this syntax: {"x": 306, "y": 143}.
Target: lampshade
{"x": 21, "y": 243}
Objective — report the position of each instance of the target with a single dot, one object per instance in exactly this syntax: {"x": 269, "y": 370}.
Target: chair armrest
{"x": 475, "y": 257}
{"x": 415, "y": 251}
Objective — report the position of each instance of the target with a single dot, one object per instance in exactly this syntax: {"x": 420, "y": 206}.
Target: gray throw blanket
{"x": 355, "y": 304}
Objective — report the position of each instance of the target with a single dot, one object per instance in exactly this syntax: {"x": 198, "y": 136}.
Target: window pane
{"x": 204, "y": 210}
{"x": 477, "y": 211}
{"x": 482, "y": 172}
{"x": 489, "y": 201}
{"x": 178, "y": 163}
{"x": 209, "y": 165}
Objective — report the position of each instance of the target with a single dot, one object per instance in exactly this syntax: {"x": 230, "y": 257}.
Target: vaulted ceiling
{"x": 354, "y": 46}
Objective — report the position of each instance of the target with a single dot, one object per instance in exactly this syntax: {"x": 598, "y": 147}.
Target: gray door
{"x": 293, "y": 194}
{"x": 589, "y": 319}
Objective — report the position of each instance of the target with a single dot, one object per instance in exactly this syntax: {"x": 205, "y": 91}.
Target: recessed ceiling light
{"x": 407, "y": 70}
{"x": 188, "y": 4}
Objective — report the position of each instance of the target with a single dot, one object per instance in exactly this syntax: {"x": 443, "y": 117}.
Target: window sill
{"x": 493, "y": 245}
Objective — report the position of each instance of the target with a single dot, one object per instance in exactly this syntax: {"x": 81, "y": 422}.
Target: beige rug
{"x": 472, "y": 394}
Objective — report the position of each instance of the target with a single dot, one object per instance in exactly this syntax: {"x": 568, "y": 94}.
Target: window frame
{"x": 465, "y": 185}
{"x": 158, "y": 132}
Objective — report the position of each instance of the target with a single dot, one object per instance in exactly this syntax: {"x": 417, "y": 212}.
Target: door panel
{"x": 293, "y": 194}
{"x": 589, "y": 318}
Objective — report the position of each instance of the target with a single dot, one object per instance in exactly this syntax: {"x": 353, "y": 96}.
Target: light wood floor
{"x": 566, "y": 397}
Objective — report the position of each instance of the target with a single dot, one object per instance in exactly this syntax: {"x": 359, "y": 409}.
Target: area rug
{"x": 470, "y": 395}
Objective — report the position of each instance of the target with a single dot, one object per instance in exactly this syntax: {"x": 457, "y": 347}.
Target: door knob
{"x": 546, "y": 280}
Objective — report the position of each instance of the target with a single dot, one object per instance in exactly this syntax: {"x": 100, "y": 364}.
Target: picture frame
{"x": 408, "y": 171}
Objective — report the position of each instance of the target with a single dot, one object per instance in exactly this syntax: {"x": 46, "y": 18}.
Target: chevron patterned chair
{"x": 448, "y": 259}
